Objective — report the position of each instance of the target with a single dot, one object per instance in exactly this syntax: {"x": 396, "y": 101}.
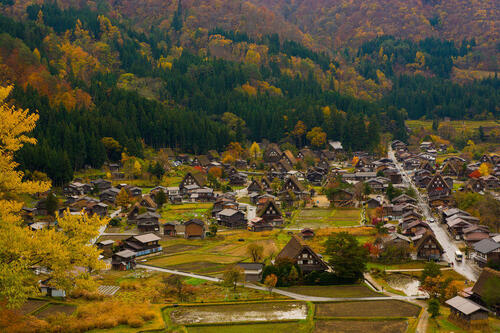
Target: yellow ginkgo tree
{"x": 64, "y": 251}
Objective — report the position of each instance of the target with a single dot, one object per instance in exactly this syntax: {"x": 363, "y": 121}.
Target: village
{"x": 261, "y": 222}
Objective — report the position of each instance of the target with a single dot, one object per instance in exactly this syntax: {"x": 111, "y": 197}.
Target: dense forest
{"x": 92, "y": 75}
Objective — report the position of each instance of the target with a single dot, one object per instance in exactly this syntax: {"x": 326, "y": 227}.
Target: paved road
{"x": 441, "y": 234}
{"x": 103, "y": 228}
{"x": 279, "y": 291}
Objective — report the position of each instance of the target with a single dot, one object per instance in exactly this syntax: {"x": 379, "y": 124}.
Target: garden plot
{"x": 351, "y": 326}
{"x": 31, "y": 305}
{"x": 271, "y": 311}
{"x": 385, "y": 308}
{"x": 177, "y": 248}
{"x": 54, "y": 308}
{"x": 323, "y": 218}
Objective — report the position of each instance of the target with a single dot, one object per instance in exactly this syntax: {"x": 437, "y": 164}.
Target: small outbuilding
{"x": 467, "y": 314}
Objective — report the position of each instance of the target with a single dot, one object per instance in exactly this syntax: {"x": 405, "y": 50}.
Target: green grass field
{"x": 359, "y": 290}
{"x": 323, "y": 218}
{"x": 185, "y": 211}
{"x": 457, "y": 124}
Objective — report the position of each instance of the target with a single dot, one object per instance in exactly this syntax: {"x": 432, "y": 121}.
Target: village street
{"x": 465, "y": 268}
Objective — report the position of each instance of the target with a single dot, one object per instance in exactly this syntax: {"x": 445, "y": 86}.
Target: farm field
{"x": 184, "y": 212}
{"x": 53, "y": 309}
{"x": 385, "y": 309}
{"x": 360, "y": 290}
{"x": 392, "y": 326}
{"x": 457, "y": 124}
{"x": 31, "y": 305}
{"x": 251, "y": 328}
{"x": 269, "y": 311}
{"x": 320, "y": 218}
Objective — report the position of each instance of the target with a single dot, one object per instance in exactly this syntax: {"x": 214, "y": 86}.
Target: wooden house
{"x": 299, "y": 252}
{"x": 404, "y": 198}
{"x": 123, "y": 260}
{"x": 238, "y": 179}
{"x": 200, "y": 160}
{"x": 109, "y": 195}
{"x": 485, "y": 251}
{"x": 271, "y": 213}
{"x": 486, "y": 159}
{"x": 148, "y": 222}
{"x": 148, "y": 202}
{"x": 169, "y": 229}
{"x": 232, "y": 218}
{"x": 314, "y": 176}
{"x": 306, "y": 154}
{"x": 194, "y": 229}
{"x": 106, "y": 246}
{"x": 272, "y": 153}
{"x": 77, "y": 188}
{"x": 343, "y": 198}
{"x": 479, "y": 289}
{"x": 241, "y": 164}
{"x": 255, "y": 186}
{"x": 428, "y": 247}
{"x": 223, "y": 203}
{"x": 373, "y": 203}
{"x": 266, "y": 184}
{"x": 258, "y": 224}
{"x": 47, "y": 288}
{"x": 467, "y": 314}
{"x": 143, "y": 244}
{"x": 292, "y": 184}
{"x": 307, "y": 233}
{"x": 97, "y": 208}
{"x": 101, "y": 184}
{"x": 288, "y": 156}
{"x": 252, "y": 270}
{"x": 192, "y": 178}
{"x": 438, "y": 191}
{"x": 475, "y": 233}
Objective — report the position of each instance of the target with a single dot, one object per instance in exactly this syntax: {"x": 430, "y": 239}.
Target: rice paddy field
{"x": 213, "y": 255}
{"x": 367, "y": 309}
{"x": 316, "y": 218}
{"x": 352, "y": 326}
{"x": 269, "y": 311}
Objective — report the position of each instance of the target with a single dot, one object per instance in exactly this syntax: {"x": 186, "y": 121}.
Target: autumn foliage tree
{"x": 316, "y": 137}
{"x": 60, "y": 251}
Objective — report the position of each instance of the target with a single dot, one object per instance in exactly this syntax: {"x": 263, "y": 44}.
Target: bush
{"x": 107, "y": 322}
{"x": 130, "y": 285}
{"x": 135, "y": 322}
{"x": 148, "y": 315}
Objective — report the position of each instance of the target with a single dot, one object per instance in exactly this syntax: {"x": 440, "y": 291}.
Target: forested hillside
{"x": 198, "y": 75}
